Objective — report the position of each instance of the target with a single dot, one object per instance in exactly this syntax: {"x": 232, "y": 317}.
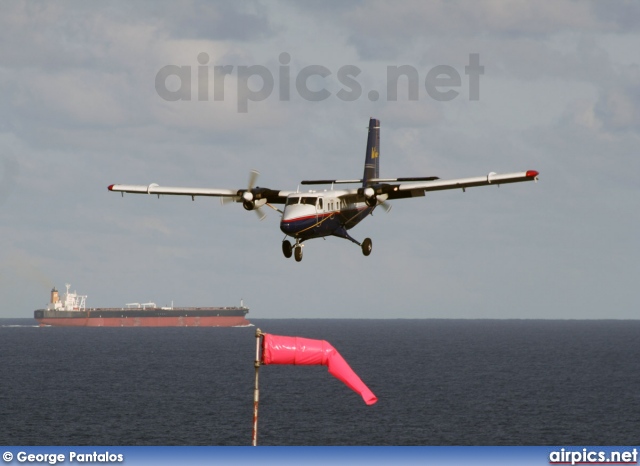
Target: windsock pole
{"x": 256, "y": 390}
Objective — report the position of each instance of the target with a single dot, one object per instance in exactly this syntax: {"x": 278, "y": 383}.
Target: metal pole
{"x": 256, "y": 390}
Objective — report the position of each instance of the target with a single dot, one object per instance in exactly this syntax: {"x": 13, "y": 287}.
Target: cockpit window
{"x": 307, "y": 200}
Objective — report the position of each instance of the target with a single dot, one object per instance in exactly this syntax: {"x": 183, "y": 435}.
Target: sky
{"x": 198, "y": 94}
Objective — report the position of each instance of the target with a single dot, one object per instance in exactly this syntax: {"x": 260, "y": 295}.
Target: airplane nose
{"x": 285, "y": 227}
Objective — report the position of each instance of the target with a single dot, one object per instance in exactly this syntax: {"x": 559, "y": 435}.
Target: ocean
{"x": 439, "y": 382}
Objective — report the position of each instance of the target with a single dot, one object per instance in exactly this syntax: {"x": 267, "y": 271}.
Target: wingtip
{"x": 531, "y": 174}
{"x": 110, "y": 187}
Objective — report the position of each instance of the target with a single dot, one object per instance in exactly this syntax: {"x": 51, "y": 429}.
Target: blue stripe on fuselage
{"x": 325, "y": 224}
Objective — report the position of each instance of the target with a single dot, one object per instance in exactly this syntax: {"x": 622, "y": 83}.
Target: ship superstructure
{"x": 72, "y": 301}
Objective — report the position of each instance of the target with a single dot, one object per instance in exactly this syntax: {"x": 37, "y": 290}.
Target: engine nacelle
{"x": 251, "y": 204}
{"x": 370, "y": 197}
{"x": 371, "y": 201}
{"x": 374, "y": 195}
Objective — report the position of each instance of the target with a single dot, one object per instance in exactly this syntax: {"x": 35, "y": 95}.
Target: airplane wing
{"x": 253, "y": 195}
{"x": 387, "y": 189}
{"x": 404, "y": 190}
{"x": 153, "y": 188}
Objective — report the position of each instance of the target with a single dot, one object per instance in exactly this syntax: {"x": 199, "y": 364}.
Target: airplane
{"x": 317, "y": 214}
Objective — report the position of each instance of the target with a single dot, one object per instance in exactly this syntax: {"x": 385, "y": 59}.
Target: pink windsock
{"x": 304, "y": 351}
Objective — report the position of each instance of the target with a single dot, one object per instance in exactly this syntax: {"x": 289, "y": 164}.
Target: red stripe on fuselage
{"x": 307, "y": 217}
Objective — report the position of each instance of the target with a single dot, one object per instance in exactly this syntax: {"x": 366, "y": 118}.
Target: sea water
{"x": 439, "y": 382}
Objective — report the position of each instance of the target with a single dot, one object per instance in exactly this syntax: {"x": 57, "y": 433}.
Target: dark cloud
{"x": 241, "y": 21}
{"x": 383, "y": 30}
{"x": 622, "y": 16}
{"x": 77, "y": 34}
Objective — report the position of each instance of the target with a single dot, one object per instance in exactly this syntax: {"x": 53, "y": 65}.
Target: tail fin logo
{"x": 374, "y": 152}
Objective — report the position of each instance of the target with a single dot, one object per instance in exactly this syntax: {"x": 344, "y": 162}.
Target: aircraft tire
{"x": 298, "y": 253}
{"x": 287, "y": 250}
{"x": 367, "y": 246}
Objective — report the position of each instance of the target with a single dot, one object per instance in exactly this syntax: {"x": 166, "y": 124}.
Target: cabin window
{"x": 308, "y": 200}
{"x": 320, "y": 204}
{"x": 292, "y": 200}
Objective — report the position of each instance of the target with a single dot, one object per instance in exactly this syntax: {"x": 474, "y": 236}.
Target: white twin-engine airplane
{"x": 317, "y": 214}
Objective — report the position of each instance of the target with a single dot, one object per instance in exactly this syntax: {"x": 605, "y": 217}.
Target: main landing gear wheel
{"x": 367, "y": 245}
{"x": 298, "y": 253}
{"x": 287, "y": 250}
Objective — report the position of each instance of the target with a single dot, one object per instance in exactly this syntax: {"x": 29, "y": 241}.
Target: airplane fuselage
{"x": 317, "y": 214}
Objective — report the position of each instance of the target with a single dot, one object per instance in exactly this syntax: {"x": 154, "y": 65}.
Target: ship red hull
{"x": 166, "y": 321}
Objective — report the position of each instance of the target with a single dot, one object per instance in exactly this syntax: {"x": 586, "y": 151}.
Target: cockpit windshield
{"x": 307, "y": 200}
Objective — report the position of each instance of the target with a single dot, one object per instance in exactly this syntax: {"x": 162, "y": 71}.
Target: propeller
{"x": 386, "y": 206}
{"x": 371, "y": 194}
{"x": 247, "y": 197}
{"x": 261, "y": 215}
{"x": 253, "y": 176}
{"x": 248, "y": 194}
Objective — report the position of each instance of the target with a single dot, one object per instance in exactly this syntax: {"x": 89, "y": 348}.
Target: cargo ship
{"x": 71, "y": 311}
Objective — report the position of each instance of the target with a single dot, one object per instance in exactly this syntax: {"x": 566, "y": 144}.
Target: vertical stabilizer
{"x": 372, "y": 159}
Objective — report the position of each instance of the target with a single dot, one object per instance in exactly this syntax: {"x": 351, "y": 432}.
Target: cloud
{"x": 20, "y": 265}
{"x": 383, "y": 30}
{"x": 618, "y": 106}
{"x": 241, "y": 21}
{"x": 79, "y": 111}
{"x": 9, "y": 171}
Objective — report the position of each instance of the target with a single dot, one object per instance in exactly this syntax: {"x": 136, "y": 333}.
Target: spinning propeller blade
{"x": 253, "y": 176}
{"x": 386, "y": 206}
{"x": 229, "y": 200}
{"x": 260, "y": 213}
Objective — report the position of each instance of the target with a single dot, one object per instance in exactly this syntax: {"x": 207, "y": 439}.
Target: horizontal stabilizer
{"x": 419, "y": 178}
{"x": 329, "y": 181}
{"x": 372, "y": 180}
